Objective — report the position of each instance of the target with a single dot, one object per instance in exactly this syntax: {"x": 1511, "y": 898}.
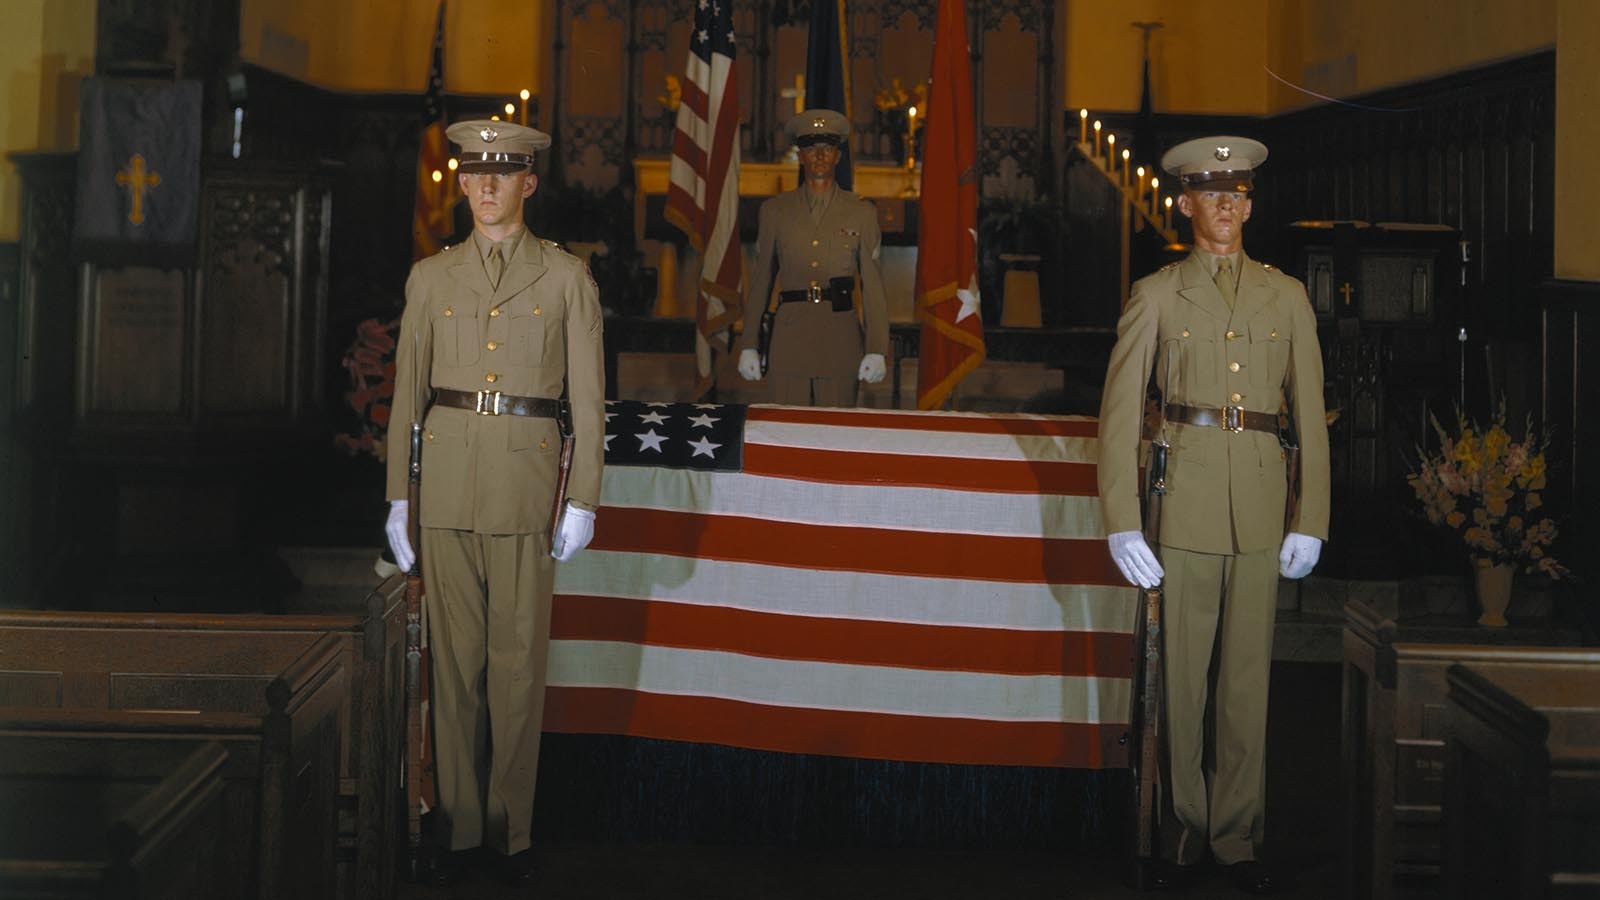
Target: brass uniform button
{"x": 1233, "y": 367}
{"x": 449, "y": 311}
{"x": 537, "y": 311}
{"x": 1235, "y": 397}
{"x": 430, "y": 435}
{"x": 815, "y": 242}
{"x": 1274, "y": 332}
{"x": 815, "y": 264}
{"x": 494, "y": 313}
{"x": 493, "y": 345}
{"x": 1186, "y": 332}
{"x": 544, "y": 444}
{"x": 491, "y": 377}
{"x": 1232, "y": 335}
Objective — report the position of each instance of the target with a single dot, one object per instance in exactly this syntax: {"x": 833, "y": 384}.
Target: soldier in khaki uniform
{"x": 813, "y": 242}
{"x": 492, "y": 329}
{"x": 1242, "y": 340}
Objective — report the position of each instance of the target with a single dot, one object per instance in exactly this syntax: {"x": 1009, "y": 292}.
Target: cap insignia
{"x": 488, "y": 135}
{"x": 1222, "y": 154}
{"x": 819, "y": 122}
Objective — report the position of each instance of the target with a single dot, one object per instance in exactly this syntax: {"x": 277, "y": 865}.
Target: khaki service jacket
{"x": 497, "y": 474}
{"x": 792, "y": 252}
{"x": 1226, "y": 491}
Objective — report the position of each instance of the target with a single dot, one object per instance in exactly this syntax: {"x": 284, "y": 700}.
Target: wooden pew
{"x": 72, "y": 660}
{"x": 1522, "y": 782}
{"x": 1393, "y": 753}
{"x": 280, "y": 822}
{"x": 153, "y": 841}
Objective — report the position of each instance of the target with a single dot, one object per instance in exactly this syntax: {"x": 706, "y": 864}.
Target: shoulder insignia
{"x": 1267, "y": 266}
{"x": 1170, "y": 265}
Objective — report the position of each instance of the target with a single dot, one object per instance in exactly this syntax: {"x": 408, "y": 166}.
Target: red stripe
{"x": 1047, "y": 427}
{"x": 832, "y": 732}
{"x": 845, "y": 641}
{"x": 696, "y": 97}
{"x": 978, "y": 557}
{"x": 1011, "y": 476}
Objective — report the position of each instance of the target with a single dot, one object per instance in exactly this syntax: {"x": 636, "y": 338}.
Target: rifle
{"x": 1147, "y": 674}
{"x": 414, "y": 590}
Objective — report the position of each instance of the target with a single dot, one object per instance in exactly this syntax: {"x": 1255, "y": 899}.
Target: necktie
{"x": 1225, "y": 280}
{"x": 494, "y": 264}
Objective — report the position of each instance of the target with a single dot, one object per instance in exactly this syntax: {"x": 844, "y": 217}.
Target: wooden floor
{"x": 1303, "y": 842}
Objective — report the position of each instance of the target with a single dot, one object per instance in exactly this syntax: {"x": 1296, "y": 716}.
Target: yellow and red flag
{"x": 947, "y": 239}
{"x": 436, "y": 191}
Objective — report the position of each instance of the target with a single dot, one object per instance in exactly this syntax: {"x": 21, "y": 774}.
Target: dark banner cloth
{"x": 138, "y": 170}
{"x": 828, "y": 73}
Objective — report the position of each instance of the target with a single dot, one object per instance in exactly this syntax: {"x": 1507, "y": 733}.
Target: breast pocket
{"x": 528, "y": 329}
{"x": 1199, "y": 365}
{"x": 455, "y": 337}
{"x": 845, "y": 245}
{"x": 1269, "y": 353}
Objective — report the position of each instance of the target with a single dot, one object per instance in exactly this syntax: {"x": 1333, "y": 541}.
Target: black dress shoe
{"x": 449, "y": 868}
{"x": 1166, "y": 875}
{"x": 1253, "y": 877}
{"x": 517, "y": 869}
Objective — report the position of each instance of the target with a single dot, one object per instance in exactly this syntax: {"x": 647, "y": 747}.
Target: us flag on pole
{"x": 703, "y": 189}
{"x": 890, "y": 585}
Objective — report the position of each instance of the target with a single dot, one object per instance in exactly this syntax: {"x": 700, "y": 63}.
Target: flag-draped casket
{"x": 892, "y": 585}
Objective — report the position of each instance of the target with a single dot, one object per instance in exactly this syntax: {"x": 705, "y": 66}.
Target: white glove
{"x": 872, "y": 368}
{"x": 574, "y": 532}
{"x": 1299, "y": 555}
{"x": 1132, "y": 555}
{"x": 395, "y": 528}
{"x": 749, "y": 364}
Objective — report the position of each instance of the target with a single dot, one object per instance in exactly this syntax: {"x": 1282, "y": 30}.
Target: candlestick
{"x": 510, "y": 111}
{"x": 1138, "y": 190}
{"x": 1167, "y": 215}
{"x": 1111, "y": 154}
{"x": 1096, "y": 153}
{"x": 524, "y": 94}
{"x": 1083, "y": 126}
{"x": 1155, "y": 195}
{"x": 1125, "y": 155}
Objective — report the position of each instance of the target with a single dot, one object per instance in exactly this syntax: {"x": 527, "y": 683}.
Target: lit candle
{"x": 452, "y": 163}
{"x": 1083, "y": 126}
{"x": 524, "y": 95}
{"x": 1138, "y": 190}
{"x": 510, "y": 111}
{"x": 1125, "y": 155}
{"x": 1096, "y": 152}
{"x": 1111, "y": 154}
{"x": 1167, "y": 215}
{"x": 1154, "y": 197}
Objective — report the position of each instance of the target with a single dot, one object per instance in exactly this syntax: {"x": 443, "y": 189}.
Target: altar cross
{"x": 137, "y": 180}
{"x": 1347, "y": 290}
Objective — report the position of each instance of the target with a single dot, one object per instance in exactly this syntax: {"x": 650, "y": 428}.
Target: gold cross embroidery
{"x": 137, "y": 181}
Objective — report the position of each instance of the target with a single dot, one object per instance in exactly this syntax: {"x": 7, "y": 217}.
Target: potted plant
{"x": 1485, "y": 487}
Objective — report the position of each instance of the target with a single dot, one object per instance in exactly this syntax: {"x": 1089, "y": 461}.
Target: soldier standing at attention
{"x": 814, "y": 241}
{"x": 494, "y": 326}
{"x": 1242, "y": 340}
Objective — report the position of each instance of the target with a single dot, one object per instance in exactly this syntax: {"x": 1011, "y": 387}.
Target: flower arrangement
{"x": 370, "y": 362}
{"x": 1485, "y": 487}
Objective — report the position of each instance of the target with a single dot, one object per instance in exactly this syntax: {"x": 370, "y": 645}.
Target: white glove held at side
{"x": 873, "y": 368}
{"x": 395, "y": 528}
{"x": 1133, "y": 556}
{"x": 574, "y": 532}
{"x": 749, "y": 365}
{"x": 1299, "y": 555}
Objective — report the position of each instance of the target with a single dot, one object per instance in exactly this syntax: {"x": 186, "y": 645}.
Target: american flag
{"x": 703, "y": 194}
{"x": 892, "y": 585}
{"x": 430, "y": 217}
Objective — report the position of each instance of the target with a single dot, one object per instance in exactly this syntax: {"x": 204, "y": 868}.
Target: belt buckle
{"x": 1233, "y": 418}
{"x": 487, "y": 403}
{"x": 814, "y": 292}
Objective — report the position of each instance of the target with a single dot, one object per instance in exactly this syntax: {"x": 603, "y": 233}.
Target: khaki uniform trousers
{"x": 815, "y": 356}
{"x": 1227, "y": 604}
{"x": 488, "y": 601}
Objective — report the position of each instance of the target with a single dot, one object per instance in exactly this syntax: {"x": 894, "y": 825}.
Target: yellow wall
{"x": 46, "y": 48}
{"x": 1206, "y": 57}
{"x": 383, "y": 45}
{"x": 1234, "y": 58}
{"x": 1577, "y": 213}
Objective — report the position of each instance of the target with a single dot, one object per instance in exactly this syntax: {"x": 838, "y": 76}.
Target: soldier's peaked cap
{"x": 1222, "y": 163}
{"x": 818, "y": 126}
{"x": 487, "y": 145}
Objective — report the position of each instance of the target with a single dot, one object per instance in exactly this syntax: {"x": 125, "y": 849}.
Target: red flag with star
{"x": 947, "y": 239}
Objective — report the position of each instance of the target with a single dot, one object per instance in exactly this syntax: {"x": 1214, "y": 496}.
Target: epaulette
{"x": 553, "y": 245}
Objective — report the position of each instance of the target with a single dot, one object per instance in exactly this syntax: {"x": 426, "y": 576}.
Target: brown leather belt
{"x": 1231, "y": 418}
{"x": 837, "y": 291}
{"x": 494, "y": 403}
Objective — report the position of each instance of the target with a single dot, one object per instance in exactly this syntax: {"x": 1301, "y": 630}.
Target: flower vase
{"x": 1493, "y": 585}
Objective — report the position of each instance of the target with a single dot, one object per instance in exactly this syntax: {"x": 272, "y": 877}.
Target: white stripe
{"x": 848, "y": 595}
{"x": 907, "y": 442}
{"x": 837, "y": 686}
{"x": 870, "y": 506}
